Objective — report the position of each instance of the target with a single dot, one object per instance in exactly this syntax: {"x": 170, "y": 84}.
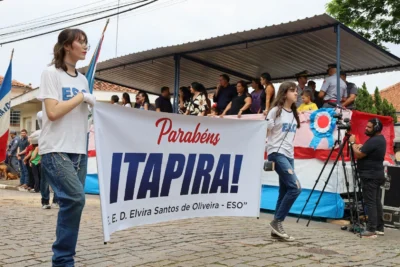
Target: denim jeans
{"x": 13, "y": 162}
{"x": 44, "y": 188}
{"x": 24, "y": 179}
{"x": 66, "y": 174}
{"x": 372, "y": 194}
{"x": 289, "y": 185}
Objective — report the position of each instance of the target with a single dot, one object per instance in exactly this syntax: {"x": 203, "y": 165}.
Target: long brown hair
{"x": 66, "y": 37}
{"x": 281, "y": 98}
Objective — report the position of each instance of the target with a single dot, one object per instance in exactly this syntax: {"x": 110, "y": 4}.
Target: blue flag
{"x": 93, "y": 63}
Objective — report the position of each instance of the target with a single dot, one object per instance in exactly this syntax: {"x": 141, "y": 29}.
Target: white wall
{"x": 28, "y": 116}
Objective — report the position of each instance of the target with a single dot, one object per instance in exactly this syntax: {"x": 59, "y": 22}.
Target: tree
{"x": 389, "y": 110}
{"x": 385, "y": 107}
{"x": 376, "y": 20}
{"x": 364, "y": 101}
{"x": 393, "y": 113}
{"x": 378, "y": 101}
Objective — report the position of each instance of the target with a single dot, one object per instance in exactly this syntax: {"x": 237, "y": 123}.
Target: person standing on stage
{"x": 328, "y": 90}
{"x": 224, "y": 94}
{"x": 370, "y": 157}
{"x": 268, "y": 93}
{"x": 282, "y": 123}
{"x": 65, "y": 98}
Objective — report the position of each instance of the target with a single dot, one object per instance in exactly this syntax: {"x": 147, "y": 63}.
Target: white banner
{"x": 156, "y": 167}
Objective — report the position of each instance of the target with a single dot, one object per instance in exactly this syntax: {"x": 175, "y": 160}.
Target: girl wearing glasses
{"x": 65, "y": 98}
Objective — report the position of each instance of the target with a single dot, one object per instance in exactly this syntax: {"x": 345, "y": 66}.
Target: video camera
{"x": 342, "y": 124}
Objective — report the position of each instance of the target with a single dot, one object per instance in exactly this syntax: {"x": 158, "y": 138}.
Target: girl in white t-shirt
{"x": 282, "y": 123}
{"x": 65, "y": 98}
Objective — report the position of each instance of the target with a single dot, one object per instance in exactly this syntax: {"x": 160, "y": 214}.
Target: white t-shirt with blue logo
{"x": 68, "y": 134}
{"x": 281, "y": 130}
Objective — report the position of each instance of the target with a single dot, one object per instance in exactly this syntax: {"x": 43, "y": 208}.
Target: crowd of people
{"x": 235, "y": 99}
{"x": 23, "y": 158}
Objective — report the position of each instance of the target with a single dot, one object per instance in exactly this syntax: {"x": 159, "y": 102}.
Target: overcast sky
{"x": 168, "y": 22}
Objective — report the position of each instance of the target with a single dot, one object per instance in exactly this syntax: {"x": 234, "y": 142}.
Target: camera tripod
{"x": 356, "y": 181}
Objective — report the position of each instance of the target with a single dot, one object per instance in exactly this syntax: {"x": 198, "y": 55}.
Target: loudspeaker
{"x": 392, "y": 198}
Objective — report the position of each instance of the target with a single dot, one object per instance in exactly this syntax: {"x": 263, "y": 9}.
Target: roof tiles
{"x": 16, "y": 83}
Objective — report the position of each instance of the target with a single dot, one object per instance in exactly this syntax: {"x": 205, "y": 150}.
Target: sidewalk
{"x": 28, "y": 232}
{"x": 9, "y": 184}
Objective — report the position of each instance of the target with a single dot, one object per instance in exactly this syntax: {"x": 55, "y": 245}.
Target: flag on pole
{"x": 5, "y": 91}
{"x": 93, "y": 63}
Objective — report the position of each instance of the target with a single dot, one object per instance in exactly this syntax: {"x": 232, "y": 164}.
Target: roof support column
{"x": 177, "y": 59}
{"x": 338, "y": 96}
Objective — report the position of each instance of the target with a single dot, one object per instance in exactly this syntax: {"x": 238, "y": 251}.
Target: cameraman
{"x": 370, "y": 157}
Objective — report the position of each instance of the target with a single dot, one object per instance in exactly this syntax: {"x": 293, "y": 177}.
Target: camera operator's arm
{"x": 357, "y": 148}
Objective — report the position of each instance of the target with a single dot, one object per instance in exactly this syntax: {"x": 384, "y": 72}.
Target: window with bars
{"x": 15, "y": 118}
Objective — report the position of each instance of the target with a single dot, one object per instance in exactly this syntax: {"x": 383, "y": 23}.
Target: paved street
{"x": 28, "y": 232}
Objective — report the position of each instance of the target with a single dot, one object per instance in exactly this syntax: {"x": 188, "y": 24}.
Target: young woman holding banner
{"x": 65, "y": 97}
{"x": 282, "y": 122}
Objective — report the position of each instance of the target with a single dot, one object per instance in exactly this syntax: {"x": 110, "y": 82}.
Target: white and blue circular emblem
{"x": 322, "y": 124}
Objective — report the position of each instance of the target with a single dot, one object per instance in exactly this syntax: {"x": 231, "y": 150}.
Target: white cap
{"x": 35, "y": 137}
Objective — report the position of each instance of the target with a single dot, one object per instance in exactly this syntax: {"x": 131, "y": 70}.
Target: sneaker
{"x": 277, "y": 237}
{"x": 368, "y": 234}
{"x": 277, "y": 228}
{"x": 379, "y": 232}
{"x": 46, "y": 206}
{"x": 32, "y": 191}
{"x": 55, "y": 206}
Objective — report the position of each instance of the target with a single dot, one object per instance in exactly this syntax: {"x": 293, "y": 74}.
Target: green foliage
{"x": 378, "y": 101}
{"x": 365, "y": 103}
{"x": 393, "y": 113}
{"x": 385, "y": 107}
{"x": 376, "y": 20}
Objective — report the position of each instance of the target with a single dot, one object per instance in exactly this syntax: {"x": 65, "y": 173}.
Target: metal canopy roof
{"x": 282, "y": 50}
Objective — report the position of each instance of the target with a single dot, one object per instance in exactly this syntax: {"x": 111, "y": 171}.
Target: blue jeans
{"x": 24, "y": 171}
{"x": 289, "y": 185}
{"x": 45, "y": 190}
{"x": 13, "y": 162}
{"x": 66, "y": 174}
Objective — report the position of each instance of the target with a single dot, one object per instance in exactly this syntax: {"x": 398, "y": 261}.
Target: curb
{"x": 8, "y": 187}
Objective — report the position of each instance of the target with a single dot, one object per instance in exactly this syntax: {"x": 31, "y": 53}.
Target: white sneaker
{"x": 55, "y": 206}
{"x": 46, "y": 206}
{"x": 379, "y": 233}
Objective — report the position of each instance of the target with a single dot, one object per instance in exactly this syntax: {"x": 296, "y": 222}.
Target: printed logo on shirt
{"x": 68, "y": 93}
{"x": 289, "y": 127}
